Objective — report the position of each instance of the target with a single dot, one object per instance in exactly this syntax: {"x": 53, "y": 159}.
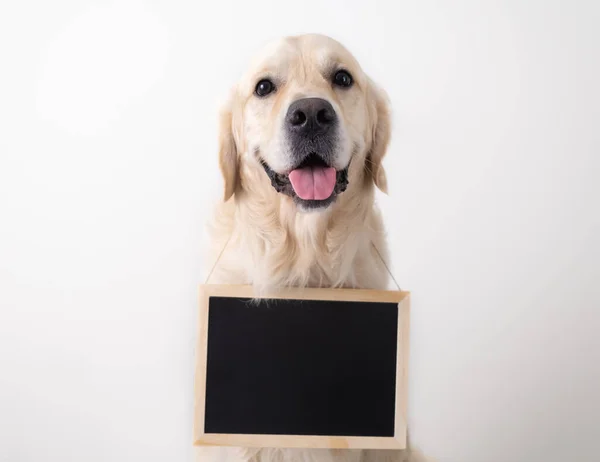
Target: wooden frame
{"x": 398, "y": 441}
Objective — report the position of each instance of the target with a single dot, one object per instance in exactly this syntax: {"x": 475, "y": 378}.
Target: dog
{"x": 302, "y": 138}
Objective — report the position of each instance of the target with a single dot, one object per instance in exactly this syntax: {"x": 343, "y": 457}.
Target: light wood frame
{"x": 398, "y": 441}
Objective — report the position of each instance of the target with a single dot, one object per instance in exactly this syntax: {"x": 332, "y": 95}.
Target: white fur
{"x": 268, "y": 241}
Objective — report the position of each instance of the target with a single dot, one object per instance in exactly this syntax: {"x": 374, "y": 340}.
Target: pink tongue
{"x": 313, "y": 183}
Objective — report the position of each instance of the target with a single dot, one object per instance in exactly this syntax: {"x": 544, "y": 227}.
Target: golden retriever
{"x": 301, "y": 144}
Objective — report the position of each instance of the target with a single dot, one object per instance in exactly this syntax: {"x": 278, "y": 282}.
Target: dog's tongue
{"x": 313, "y": 183}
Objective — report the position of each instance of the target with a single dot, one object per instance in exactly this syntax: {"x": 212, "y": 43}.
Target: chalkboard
{"x": 302, "y": 368}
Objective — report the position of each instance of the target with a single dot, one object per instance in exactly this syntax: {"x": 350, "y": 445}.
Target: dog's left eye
{"x": 264, "y": 87}
{"x": 342, "y": 79}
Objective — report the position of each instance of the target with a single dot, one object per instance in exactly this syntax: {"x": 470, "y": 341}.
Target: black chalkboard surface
{"x": 302, "y": 368}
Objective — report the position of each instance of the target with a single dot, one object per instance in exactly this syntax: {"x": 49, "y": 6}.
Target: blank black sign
{"x": 301, "y": 367}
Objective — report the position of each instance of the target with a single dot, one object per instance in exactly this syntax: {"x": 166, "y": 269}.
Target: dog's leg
{"x": 220, "y": 454}
{"x": 307, "y": 455}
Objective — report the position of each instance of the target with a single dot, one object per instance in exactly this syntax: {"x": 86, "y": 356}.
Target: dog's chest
{"x": 310, "y": 263}
{"x": 304, "y": 251}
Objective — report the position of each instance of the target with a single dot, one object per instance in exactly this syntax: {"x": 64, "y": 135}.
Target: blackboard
{"x": 302, "y": 368}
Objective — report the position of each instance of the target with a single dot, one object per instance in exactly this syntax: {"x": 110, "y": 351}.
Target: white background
{"x": 108, "y": 164}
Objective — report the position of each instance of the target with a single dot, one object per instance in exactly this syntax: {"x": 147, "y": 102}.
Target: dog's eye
{"x": 342, "y": 79}
{"x": 264, "y": 87}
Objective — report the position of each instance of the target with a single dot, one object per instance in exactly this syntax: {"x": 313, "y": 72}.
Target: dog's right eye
{"x": 264, "y": 87}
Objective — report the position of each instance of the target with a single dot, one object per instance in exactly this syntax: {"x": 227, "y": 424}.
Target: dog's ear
{"x": 228, "y": 152}
{"x": 380, "y": 115}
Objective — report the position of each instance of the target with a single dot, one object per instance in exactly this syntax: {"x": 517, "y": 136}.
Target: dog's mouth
{"x": 313, "y": 182}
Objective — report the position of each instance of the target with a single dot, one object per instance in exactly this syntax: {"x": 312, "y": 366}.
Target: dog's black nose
{"x": 311, "y": 116}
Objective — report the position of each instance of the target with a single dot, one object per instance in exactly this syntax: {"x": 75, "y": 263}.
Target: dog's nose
{"x": 311, "y": 116}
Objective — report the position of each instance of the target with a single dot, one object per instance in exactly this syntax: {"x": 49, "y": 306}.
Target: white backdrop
{"x": 108, "y": 161}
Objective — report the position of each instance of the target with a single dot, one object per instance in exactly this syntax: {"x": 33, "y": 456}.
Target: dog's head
{"x": 309, "y": 119}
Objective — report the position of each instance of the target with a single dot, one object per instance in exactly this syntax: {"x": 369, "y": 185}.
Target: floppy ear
{"x": 381, "y": 125}
{"x": 228, "y": 153}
